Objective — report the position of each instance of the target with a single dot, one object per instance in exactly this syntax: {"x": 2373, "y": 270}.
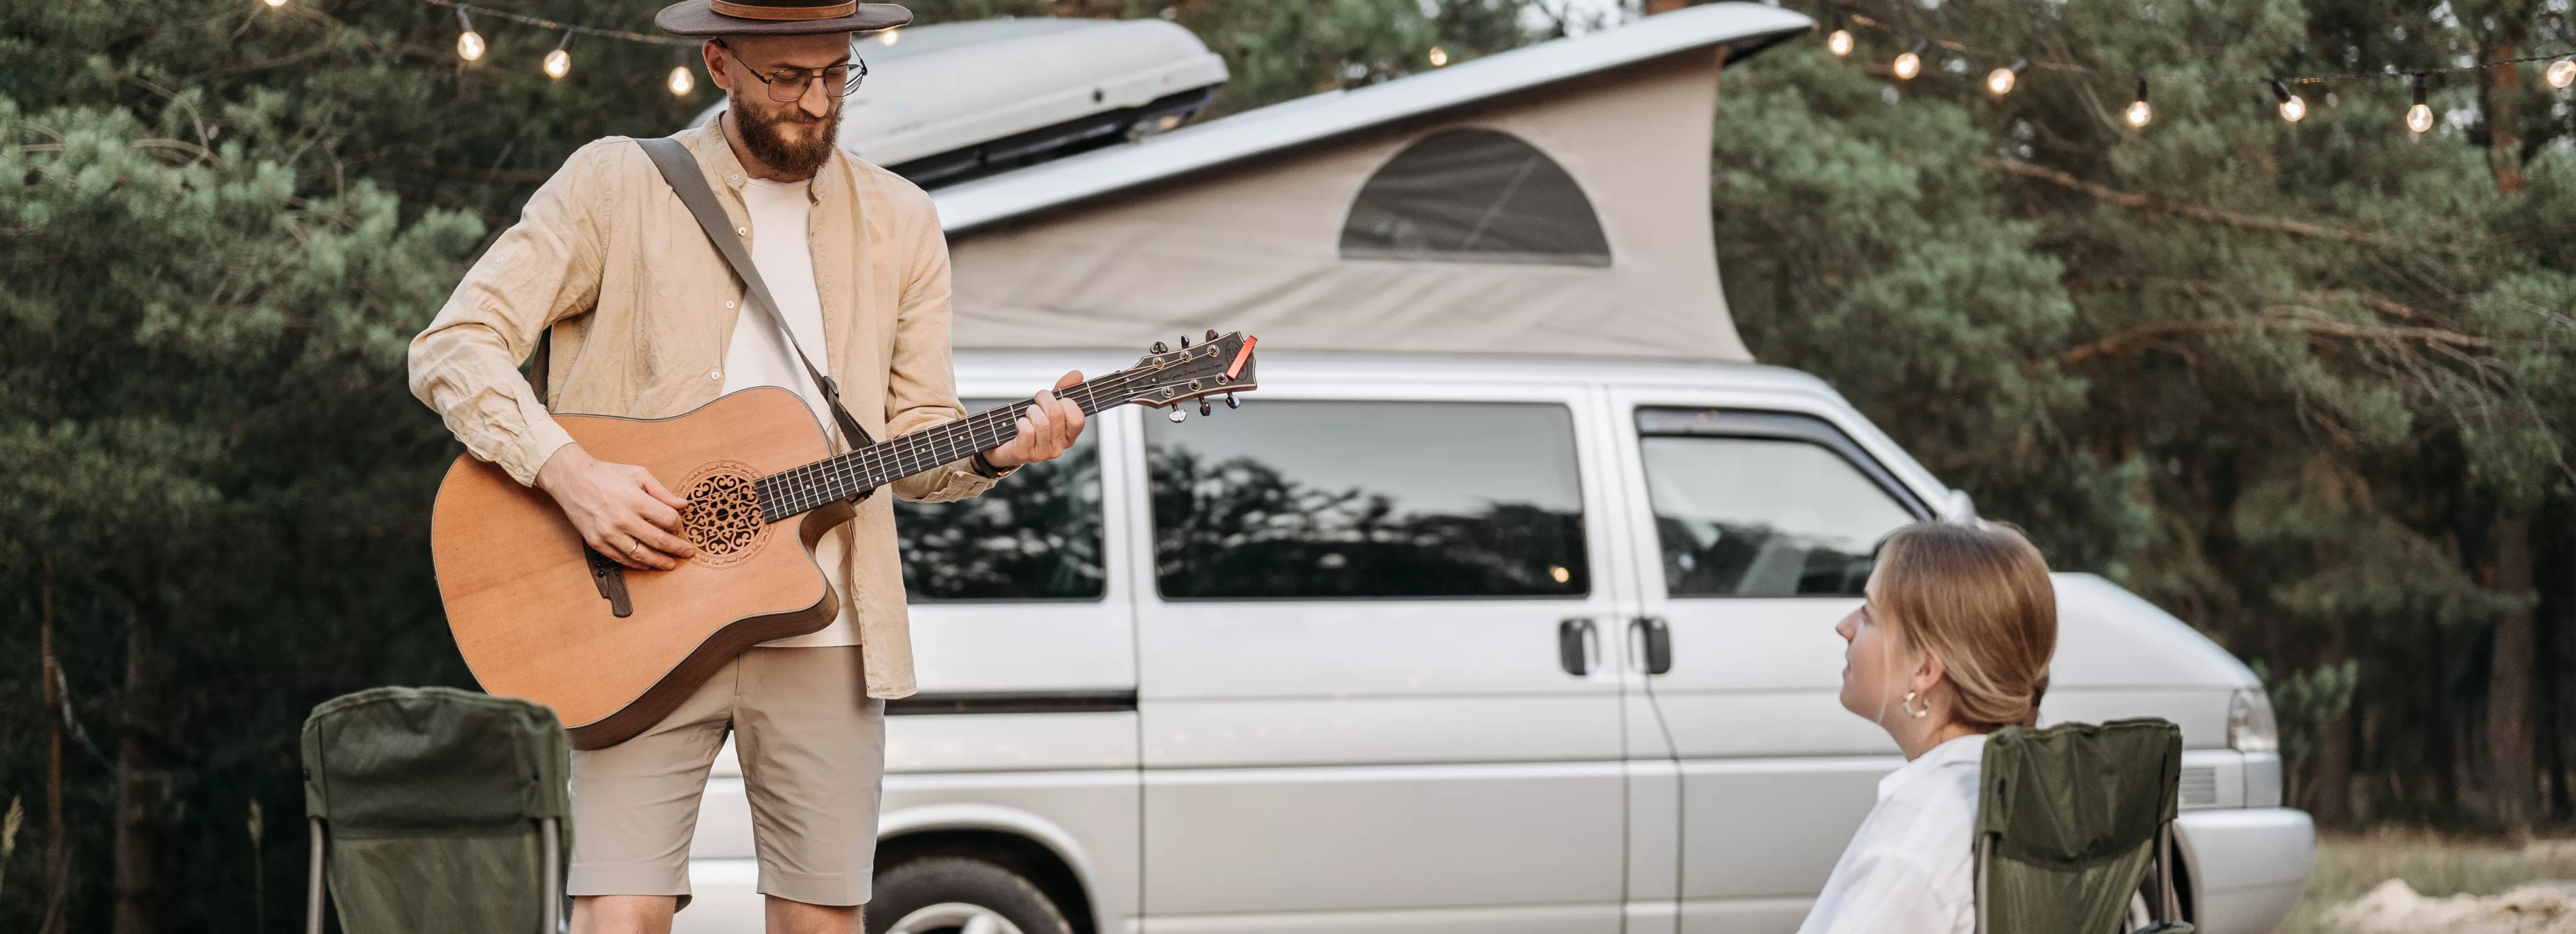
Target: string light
{"x": 2419, "y": 118}
{"x": 559, "y": 61}
{"x": 682, "y": 80}
{"x": 1439, "y": 57}
{"x": 469, "y": 44}
{"x": 890, "y": 37}
{"x": 2000, "y": 81}
{"x": 273, "y": 4}
{"x": 2292, "y": 106}
{"x": 1910, "y": 62}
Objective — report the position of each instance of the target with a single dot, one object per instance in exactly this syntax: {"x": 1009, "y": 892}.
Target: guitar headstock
{"x": 1165, "y": 378}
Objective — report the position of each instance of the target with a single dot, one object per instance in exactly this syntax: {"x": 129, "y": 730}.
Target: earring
{"x": 1907, "y": 705}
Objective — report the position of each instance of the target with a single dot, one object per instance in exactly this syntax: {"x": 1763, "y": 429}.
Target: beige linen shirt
{"x": 642, "y": 307}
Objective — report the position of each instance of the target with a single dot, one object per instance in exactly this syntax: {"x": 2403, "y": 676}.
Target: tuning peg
{"x": 1179, "y": 416}
{"x": 1231, "y": 402}
{"x": 1205, "y": 407}
{"x": 1160, "y": 347}
{"x": 1185, "y": 342}
{"x": 1211, "y": 334}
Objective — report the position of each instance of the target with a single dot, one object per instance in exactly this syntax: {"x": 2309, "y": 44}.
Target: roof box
{"x": 953, "y": 101}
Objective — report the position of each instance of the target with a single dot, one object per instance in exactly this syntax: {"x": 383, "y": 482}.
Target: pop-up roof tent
{"x": 1551, "y": 199}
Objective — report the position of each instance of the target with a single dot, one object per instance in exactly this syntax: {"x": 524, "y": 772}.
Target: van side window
{"x": 1764, "y": 504}
{"x": 1034, "y": 536}
{"x": 1293, "y": 499}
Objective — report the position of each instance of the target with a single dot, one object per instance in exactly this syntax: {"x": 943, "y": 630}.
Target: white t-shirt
{"x": 1911, "y": 869}
{"x": 757, "y": 356}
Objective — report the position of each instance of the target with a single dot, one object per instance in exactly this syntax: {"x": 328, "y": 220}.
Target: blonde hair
{"x": 1980, "y": 600}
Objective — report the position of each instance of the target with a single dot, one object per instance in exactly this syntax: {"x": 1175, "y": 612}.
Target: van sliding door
{"x": 1374, "y": 691}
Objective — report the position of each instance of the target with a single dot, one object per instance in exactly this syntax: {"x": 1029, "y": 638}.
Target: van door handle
{"x": 1574, "y": 645}
{"x": 1658, "y": 637}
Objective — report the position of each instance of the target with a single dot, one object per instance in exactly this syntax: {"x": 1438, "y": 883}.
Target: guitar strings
{"x": 804, "y": 488}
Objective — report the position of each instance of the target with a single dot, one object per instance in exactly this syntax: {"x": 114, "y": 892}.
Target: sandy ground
{"x": 2396, "y": 908}
{"x": 2417, "y": 883}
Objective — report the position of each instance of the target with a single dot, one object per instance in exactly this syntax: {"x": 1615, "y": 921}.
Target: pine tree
{"x": 2305, "y": 385}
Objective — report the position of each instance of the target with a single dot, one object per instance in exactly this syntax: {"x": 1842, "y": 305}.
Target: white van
{"x": 1453, "y": 644}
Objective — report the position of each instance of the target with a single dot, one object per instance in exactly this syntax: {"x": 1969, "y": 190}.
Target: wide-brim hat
{"x": 777, "y": 17}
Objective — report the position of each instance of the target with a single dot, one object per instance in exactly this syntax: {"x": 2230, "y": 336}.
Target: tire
{"x": 960, "y": 895}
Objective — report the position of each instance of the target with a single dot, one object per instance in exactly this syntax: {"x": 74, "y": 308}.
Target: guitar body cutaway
{"x": 530, "y": 619}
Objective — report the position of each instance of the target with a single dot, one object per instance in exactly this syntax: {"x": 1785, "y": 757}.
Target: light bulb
{"x": 2292, "y": 106}
{"x": 2000, "y": 81}
{"x": 2562, "y": 72}
{"x": 469, "y": 45}
{"x": 1907, "y": 65}
{"x": 559, "y": 62}
{"x": 890, "y": 37}
{"x": 682, "y": 81}
{"x": 1840, "y": 43}
{"x": 2140, "y": 113}
{"x": 274, "y": 3}
{"x": 1439, "y": 57}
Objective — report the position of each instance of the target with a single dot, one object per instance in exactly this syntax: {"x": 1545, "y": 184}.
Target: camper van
{"x": 1504, "y": 604}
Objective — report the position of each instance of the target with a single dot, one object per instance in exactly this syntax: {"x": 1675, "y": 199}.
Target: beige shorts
{"x": 812, "y": 747}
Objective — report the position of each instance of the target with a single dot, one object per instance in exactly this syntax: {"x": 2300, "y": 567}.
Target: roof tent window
{"x": 1474, "y": 196}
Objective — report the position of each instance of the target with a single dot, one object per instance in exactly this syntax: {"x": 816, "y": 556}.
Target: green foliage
{"x": 2304, "y": 706}
{"x": 204, "y": 427}
{"x": 2289, "y": 381}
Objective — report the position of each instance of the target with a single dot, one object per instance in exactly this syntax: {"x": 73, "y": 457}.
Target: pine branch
{"x": 2135, "y": 338}
{"x": 2139, "y": 202}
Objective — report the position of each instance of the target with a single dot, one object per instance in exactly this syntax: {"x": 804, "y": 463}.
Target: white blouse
{"x": 1911, "y": 869}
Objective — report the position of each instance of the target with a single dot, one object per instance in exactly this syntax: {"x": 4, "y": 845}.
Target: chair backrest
{"x": 443, "y": 810}
{"x": 2069, "y": 821}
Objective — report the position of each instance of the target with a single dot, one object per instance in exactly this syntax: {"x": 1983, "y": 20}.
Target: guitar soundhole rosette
{"x": 723, "y": 517}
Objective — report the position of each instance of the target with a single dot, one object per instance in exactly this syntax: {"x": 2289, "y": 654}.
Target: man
{"x": 647, "y": 321}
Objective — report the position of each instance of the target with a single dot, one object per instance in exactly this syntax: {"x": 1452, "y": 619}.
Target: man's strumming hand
{"x": 619, "y": 509}
{"x": 1046, "y": 429}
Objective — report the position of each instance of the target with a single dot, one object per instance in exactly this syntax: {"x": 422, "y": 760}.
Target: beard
{"x": 765, "y": 132}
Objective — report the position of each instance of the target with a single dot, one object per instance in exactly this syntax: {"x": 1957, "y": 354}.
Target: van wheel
{"x": 959, "y": 895}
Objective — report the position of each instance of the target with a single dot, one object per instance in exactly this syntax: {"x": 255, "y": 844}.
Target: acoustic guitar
{"x": 540, "y": 615}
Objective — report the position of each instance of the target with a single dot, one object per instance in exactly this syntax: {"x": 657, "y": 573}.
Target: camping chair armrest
{"x": 313, "y": 887}
{"x": 549, "y": 837}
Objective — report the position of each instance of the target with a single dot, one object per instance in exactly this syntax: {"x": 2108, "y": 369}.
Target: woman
{"x": 1952, "y": 643}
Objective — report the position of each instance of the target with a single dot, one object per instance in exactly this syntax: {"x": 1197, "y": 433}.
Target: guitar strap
{"x": 681, "y": 170}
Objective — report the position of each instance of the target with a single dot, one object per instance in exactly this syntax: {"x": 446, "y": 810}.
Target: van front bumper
{"x": 2248, "y": 866}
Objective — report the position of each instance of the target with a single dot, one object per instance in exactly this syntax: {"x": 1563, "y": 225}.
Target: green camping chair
{"x": 436, "y": 811}
{"x": 2075, "y": 825}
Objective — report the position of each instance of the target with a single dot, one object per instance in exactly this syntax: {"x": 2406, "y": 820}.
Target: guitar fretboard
{"x": 794, "y": 491}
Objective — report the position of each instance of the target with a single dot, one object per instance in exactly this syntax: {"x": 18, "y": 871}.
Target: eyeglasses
{"x": 788, "y": 84}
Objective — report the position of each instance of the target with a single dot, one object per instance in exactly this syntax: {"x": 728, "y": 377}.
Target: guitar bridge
{"x": 610, "y": 577}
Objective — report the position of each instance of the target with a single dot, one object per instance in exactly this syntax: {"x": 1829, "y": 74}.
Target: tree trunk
{"x": 2509, "y": 693}
{"x": 2330, "y": 797}
{"x": 2504, "y": 117}
{"x": 52, "y": 673}
{"x": 138, "y": 781}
